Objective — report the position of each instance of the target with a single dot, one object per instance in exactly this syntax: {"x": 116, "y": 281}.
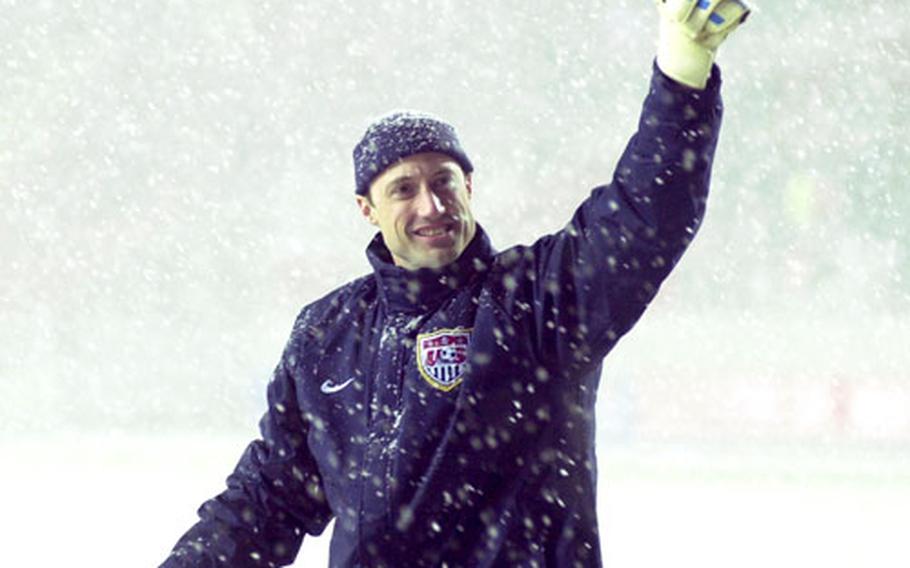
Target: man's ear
{"x": 366, "y": 209}
{"x": 467, "y": 184}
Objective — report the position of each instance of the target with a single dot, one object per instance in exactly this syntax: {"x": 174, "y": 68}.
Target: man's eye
{"x": 444, "y": 182}
{"x": 403, "y": 190}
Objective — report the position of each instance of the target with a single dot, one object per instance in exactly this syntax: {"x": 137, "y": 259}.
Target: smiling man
{"x": 441, "y": 408}
{"x": 421, "y": 201}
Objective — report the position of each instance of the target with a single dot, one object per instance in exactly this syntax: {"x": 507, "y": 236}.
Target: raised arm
{"x": 273, "y": 496}
{"x": 577, "y": 291}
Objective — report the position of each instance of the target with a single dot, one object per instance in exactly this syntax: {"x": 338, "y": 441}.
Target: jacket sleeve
{"x": 582, "y": 288}
{"x": 273, "y": 496}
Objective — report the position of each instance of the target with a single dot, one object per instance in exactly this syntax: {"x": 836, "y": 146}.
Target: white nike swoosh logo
{"x": 328, "y": 387}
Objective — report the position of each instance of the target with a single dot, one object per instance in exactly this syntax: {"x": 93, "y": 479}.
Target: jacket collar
{"x": 424, "y": 289}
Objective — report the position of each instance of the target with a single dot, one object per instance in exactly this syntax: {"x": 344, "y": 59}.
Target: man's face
{"x": 422, "y": 206}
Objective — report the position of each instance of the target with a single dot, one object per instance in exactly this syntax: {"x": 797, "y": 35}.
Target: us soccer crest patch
{"x": 442, "y": 356}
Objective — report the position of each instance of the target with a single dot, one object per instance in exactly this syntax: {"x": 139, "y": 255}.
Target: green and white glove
{"x": 690, "y": 32}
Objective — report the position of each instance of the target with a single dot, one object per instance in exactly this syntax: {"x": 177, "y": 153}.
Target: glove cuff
{"x": 682, "y": 59}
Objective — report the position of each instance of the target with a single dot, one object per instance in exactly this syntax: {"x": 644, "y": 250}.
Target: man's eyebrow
{"x": 445, "y": 169}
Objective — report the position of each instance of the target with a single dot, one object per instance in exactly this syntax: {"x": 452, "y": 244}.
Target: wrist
{"x": 682, "y": 59}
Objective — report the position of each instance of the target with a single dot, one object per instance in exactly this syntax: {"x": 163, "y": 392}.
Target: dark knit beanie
{"x": 399, "y": 135}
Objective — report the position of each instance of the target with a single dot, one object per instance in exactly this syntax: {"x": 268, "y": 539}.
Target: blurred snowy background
{"x": 175, "y": 183}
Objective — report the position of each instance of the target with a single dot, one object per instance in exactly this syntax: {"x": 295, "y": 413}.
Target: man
{"x": 441, "y": 409}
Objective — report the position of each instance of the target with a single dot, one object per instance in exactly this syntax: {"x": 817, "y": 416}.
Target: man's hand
{"x": 690, "y": 31}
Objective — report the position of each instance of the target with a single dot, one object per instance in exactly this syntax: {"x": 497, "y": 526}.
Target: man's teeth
{"x": 432, "y": 232}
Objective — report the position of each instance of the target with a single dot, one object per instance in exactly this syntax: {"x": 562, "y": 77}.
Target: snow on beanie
{"x": 399, "y": 135}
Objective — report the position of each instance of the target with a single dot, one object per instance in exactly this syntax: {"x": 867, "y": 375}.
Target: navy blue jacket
{"x": 446, "y": 417}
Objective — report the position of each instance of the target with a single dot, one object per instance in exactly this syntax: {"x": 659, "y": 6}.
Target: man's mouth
{"x": 434, "y": 230}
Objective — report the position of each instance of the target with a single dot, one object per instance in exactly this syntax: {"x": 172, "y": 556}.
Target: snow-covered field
{"x": 104, "y": 501}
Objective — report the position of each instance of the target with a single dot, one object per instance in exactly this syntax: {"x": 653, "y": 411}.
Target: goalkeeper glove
{"x": 690, "y": 32}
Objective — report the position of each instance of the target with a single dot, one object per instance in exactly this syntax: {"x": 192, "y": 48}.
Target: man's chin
{"x": 440, "y": 259}
{"x": 435, "y": 258}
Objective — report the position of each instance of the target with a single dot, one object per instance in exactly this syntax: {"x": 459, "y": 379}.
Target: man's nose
{"x": 428, "y": 203}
